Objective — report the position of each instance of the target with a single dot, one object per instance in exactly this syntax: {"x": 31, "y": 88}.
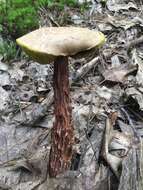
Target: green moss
{"x": 8, "y": 50}
{"x": 17, "y": 17}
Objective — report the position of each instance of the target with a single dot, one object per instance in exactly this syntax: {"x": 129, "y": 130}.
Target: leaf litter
{"x": 107, "y": 105}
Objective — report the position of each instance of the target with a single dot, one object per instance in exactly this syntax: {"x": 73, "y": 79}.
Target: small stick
{"x": 86, "y": 68}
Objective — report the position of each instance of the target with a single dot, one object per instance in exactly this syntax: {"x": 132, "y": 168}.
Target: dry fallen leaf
{"x": 119, "y": 74}
{"x": 115, "y": 146}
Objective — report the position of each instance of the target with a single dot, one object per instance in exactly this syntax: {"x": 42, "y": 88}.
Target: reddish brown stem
{"x": 62, "y": 131}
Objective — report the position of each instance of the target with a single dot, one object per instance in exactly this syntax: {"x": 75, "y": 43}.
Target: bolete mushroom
{"x": 56, "y": 44}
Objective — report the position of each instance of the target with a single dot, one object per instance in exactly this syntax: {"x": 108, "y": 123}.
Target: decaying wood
{"x": 62, "y": 131}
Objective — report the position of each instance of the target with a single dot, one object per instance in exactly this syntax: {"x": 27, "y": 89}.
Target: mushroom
{"x": 56, "y": 44}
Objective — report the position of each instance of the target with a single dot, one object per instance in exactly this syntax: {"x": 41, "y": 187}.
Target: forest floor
{"x": 107, "y": 102}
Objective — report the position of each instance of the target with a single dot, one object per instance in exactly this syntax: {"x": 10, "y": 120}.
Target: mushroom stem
{"x": 62, "y": 131}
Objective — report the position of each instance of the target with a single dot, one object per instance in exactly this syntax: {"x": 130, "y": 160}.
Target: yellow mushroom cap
{"x": 45, "y": 44}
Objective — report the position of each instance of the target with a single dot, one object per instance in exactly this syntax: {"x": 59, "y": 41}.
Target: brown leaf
{"x": 119, "y": 74}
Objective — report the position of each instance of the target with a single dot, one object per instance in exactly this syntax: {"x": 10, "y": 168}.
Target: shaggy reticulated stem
{"x": 62, "y": 132}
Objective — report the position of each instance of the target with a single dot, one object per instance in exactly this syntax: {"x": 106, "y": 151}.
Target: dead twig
{"x": 86, "y": 68}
